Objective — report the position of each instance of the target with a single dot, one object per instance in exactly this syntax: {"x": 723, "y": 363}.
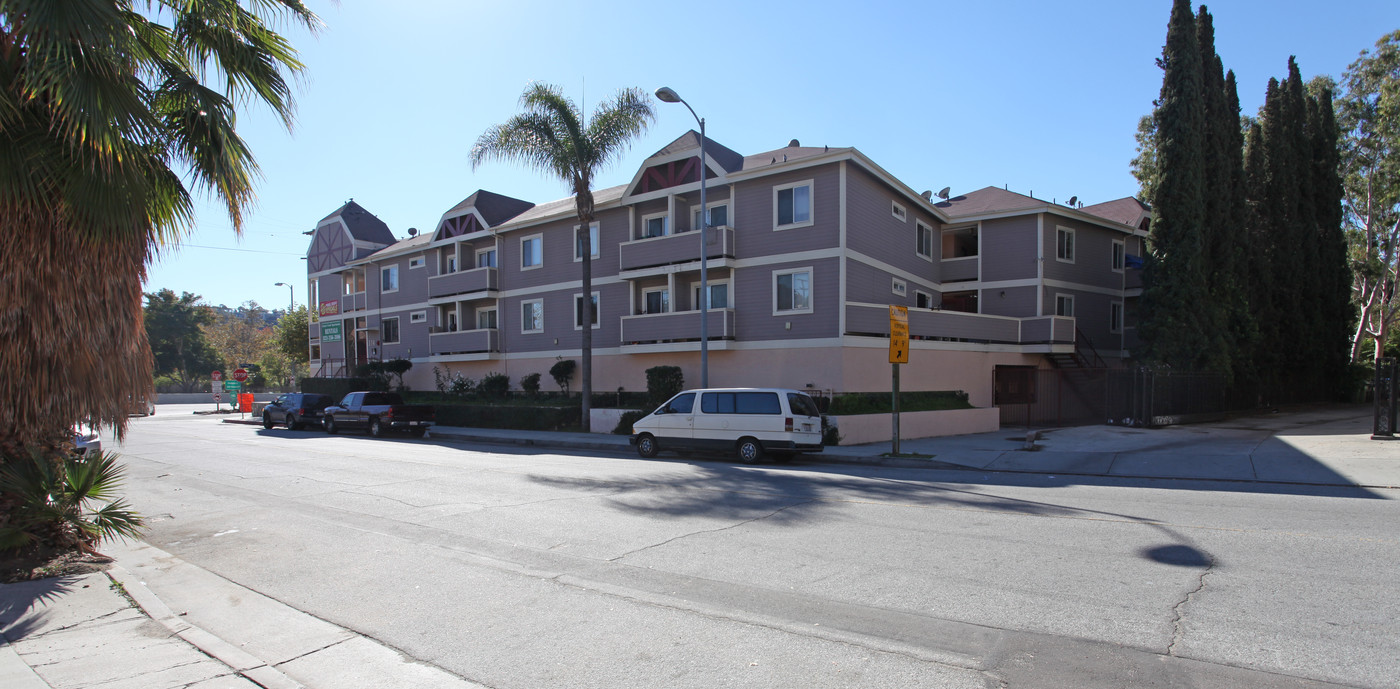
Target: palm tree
{"x": 108, "y": 108}
{"x": 552, "y": 137}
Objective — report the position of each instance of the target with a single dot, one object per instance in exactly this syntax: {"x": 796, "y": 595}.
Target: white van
{"x": 751, "y": 422}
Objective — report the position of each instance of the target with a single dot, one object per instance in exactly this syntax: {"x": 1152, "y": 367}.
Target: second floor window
{"x": 794, "y": 205}
{"x": 486, "y": 259}
{"x": 1117, "y": 260}
{"x": 792, "y": 290}
{"x": 657, "y": 301}
{"x": 592, "y": 242}
{"x": 532, "y": 252}
{"x": 532, "y": 316}
{"x": 389, "y": 279}
{"x": 719, "y": 216}
{"x": 389, "y": 328}
{"x": 924, "y": 241}
{"x": 1064, "y": 244}
{"x": 486, "y": 319}
{"x": 654, "y": 226}
{"x": 355, "y": 282}
{"x": 1064, "y": 305}
{"x": 578, "y": 310}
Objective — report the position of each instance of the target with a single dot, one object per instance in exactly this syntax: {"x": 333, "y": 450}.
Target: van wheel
{"x": 646, "y": 446}
{"x": 329, "y": 423}
{"x": 750, "y": 451}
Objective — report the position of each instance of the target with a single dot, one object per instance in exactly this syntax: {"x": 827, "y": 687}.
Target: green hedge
{"x": 853, "y": 403}
{"x": 507, "y": 416}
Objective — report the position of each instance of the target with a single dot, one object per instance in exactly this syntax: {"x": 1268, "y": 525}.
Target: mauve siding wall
{"x": 1019, "y": 301}
{"x": 867, "y": 284}
{"x": 559, "y": 320}
{"x": 872, "y": 229}
{"x": 651, "y": 207}
{"x": 691, "y": 203}
{"x": 753, "y": 214}
{"x": 413, "y": 285}
{"x": 559, "y": 264}
{"x": 753, "y": 303}
{"x": 1009, "y": 248}
{"x": 411, "y": 335}
{"x": 1091, "y": 317}
{"x": 1093, "y": 254}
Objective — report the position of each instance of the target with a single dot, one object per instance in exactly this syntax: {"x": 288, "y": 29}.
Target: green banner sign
{"x": 232, "y": 386}
{"x": 330, "y": 331}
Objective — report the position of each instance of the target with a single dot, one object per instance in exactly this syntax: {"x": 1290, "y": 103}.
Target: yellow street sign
{"x": 899, "y": 334}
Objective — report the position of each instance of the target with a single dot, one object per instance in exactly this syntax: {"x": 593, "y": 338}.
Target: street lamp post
{"x": 666, "y": 94}
{"x": 291, "y": 296}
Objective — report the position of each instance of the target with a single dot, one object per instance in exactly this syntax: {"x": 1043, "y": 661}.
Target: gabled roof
{"x": 494, "y": 208}
{"x": 565, "y": 206}
{"x": 727, "y": 158}
{"x": 988, "y": 200}
{"x": 791, "y": 152}
{"x": 362, "y": 224}
{"x": 1127, "y": 210}
{"x": 404, "y": 246}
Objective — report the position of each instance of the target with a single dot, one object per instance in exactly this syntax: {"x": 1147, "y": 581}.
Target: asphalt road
{"x": 515, "y": 568}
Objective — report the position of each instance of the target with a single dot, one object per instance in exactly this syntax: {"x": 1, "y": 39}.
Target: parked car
{"x": 751, "y": 422}
{"x": 87, "y": 444}
{"x": 296, "y": 410}
{"x": 378, "y": 412}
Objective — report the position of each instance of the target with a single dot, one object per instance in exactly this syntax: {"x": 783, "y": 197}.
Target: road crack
{"x": 1179, "y": 610}
{"x": 710, "y": 531}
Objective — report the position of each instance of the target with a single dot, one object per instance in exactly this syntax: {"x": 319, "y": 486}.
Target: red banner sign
{"x": 330, "y": 308}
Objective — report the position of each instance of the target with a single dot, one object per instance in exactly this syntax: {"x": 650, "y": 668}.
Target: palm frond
{"x": 617, "y": 122}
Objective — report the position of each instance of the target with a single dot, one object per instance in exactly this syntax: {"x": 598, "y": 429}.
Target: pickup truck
{"x": 379, "y": 412}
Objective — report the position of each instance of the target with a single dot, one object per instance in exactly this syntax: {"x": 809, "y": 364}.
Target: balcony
{"x": 676, "y": 326}
{"x": 352, "y": 302}
{"x": 462, "y": 282}
{"x": 959, "y": 269}
{"x": 928, "y": 324}
{"x": 676, "y": 248}
{"x": 464, "y": 342}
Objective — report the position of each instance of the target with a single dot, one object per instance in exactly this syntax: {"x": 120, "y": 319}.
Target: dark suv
{"x": 296, "y": 409}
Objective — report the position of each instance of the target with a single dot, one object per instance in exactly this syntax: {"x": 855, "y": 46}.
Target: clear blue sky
{"x": 1039, "y": 96}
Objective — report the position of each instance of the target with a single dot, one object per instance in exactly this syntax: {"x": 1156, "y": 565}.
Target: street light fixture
{"x": 668, "y": 95}
{"x": 291, "y": 296}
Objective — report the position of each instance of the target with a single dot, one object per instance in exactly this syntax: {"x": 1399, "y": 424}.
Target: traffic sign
{"x": 218, "y": 397}
{"x": 232, "y": 386}
{"x": 899, "y": 334}
{"x": 216, "y": 375}
{"x": 240, "y": 375}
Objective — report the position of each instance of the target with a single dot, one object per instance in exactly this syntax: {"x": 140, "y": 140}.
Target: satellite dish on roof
{"x": 943, "y": 193}
{"x": 1073, "y": 200}
{"x": 928, "y": 194}
{"x": 793, "y": 144}
{"x": 413, "y": 232}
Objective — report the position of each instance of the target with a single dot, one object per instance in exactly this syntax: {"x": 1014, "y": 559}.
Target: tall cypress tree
{"x": 1305, "y": 291}
{"x": 1334, "y": 271}
{"x": 1174, "y": 280}
{"x": 1244, "y": 331}
{"x": 1219, "y": 238}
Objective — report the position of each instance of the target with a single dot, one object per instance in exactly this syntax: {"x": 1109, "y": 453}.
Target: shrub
{"x": 663, "y": 382}
{"x": 494, "y": 386}
{"x": 522, "y": 418}
{"x": 531, "y": 384}
{"x": 66, "y": 503}
{"x": 562, "y": 372}
{"x": 853, "y": 403}
{"x": 624, "y": 424}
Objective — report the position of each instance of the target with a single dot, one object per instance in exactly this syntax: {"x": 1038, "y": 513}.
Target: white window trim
{"x": 898, "y": 211}
{"x": 593, "y": 231}
{"x": 536, "y": 237}
{"x": 670, "y": 305}
{"x": 928, "y": 297}
{"x": 397, "y": 282}
{"x": 523, "y": 302}
{"x": 646, "y": 220}
{"x": 418, "y": 317}
{"x": 899, "y": 287}
{"x": 482, "y": 309}
{"x": 476, "y": 257}
{"x": 451, "y": 254}
{"x": 1121, "y": 248}
{"x": 1115, "y": 306}
{"x": 812, "y": 200}
{"x": 695, "y": 208}
{"x": 695, "y": 291}
{"x": 417, "y": 262}
{"x": 1067, "y": 297}
{"x": 1073, "y": 245}
{"x": 445, "y": 311}
{"x": 578, "y": 299}
{"x": 812, "y": 286}
{"x": 919, "y": 227}
{"x": 397, "y": 328}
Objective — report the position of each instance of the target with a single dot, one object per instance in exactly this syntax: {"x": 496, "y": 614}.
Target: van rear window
{"x": 740, "y": 403}
{"x": 802, "y": 405}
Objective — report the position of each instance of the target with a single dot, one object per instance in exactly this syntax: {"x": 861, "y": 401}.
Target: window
{"x": 592, "y": 242}
{"x": 447, "y": 316}
{"x": 389, "y": 279}
{"x": 1064, "y": 305}
{"x": 656, "y": 300}
{"x": 924, "y": 240}
{"x": 418, "y": 317}
{"x": 654, "y": 225}
{"x": 740, "y": 403}
{"x": 1064, "y": 244}
{"x": 389, "y": 330}
{"x": 449, "y": 260}
{"x": 532, "y": 316}
{"x": 486, "y": 319}
{"x": 1115, "y": 316}
{"x": 923, "y": 300}
{"x": 416, "y": 262}
{"x": 531, "y": 252}
{"x": 578, "y": 310}
{"x": 719, "y": 295}
{"x": 680, "y": 404}
{"x": 486, "y": 258}
{"x": 1118, "y": 253}
{"x": 354, "y": 281}
{"x": 792, "y": 291}
{"x": 898, "y": 212}
{"x": 960, "y": 243}
{"x": 315, "y": 352}
{"x": 792, "y": 205}
{"x": 899, "y": 287}
{"x": 719, "y": 215}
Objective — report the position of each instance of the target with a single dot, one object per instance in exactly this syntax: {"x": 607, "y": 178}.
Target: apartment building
{"x": 806, "y": 250}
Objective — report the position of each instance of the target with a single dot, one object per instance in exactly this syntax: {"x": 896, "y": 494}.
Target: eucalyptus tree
{"x": 113, "y": 114}
{"x": 552, "y": 136}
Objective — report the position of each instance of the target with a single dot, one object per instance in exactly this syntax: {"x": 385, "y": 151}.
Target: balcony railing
{"x": 352, "y": 302}
{"x": 465, "y": 342}
{"x": 930, "y": 324}
{"x": 958, "y": 269}
{"x": 462, "y": 282}
{"x": 676, "y": 248}
{"x": 676, "y": 326}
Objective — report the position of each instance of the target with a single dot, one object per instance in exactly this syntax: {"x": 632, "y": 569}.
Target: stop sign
{"x": 240, "y": 375}
{"x": 216, "y": 375}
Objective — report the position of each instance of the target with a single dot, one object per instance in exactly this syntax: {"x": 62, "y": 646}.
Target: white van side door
{"x": 676, "y": 418}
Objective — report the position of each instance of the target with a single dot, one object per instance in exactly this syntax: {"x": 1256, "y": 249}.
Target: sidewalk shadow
{"x": 17, "y": 600}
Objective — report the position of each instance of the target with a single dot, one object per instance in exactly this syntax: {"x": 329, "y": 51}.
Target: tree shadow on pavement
{"x": 18, "y": 619}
